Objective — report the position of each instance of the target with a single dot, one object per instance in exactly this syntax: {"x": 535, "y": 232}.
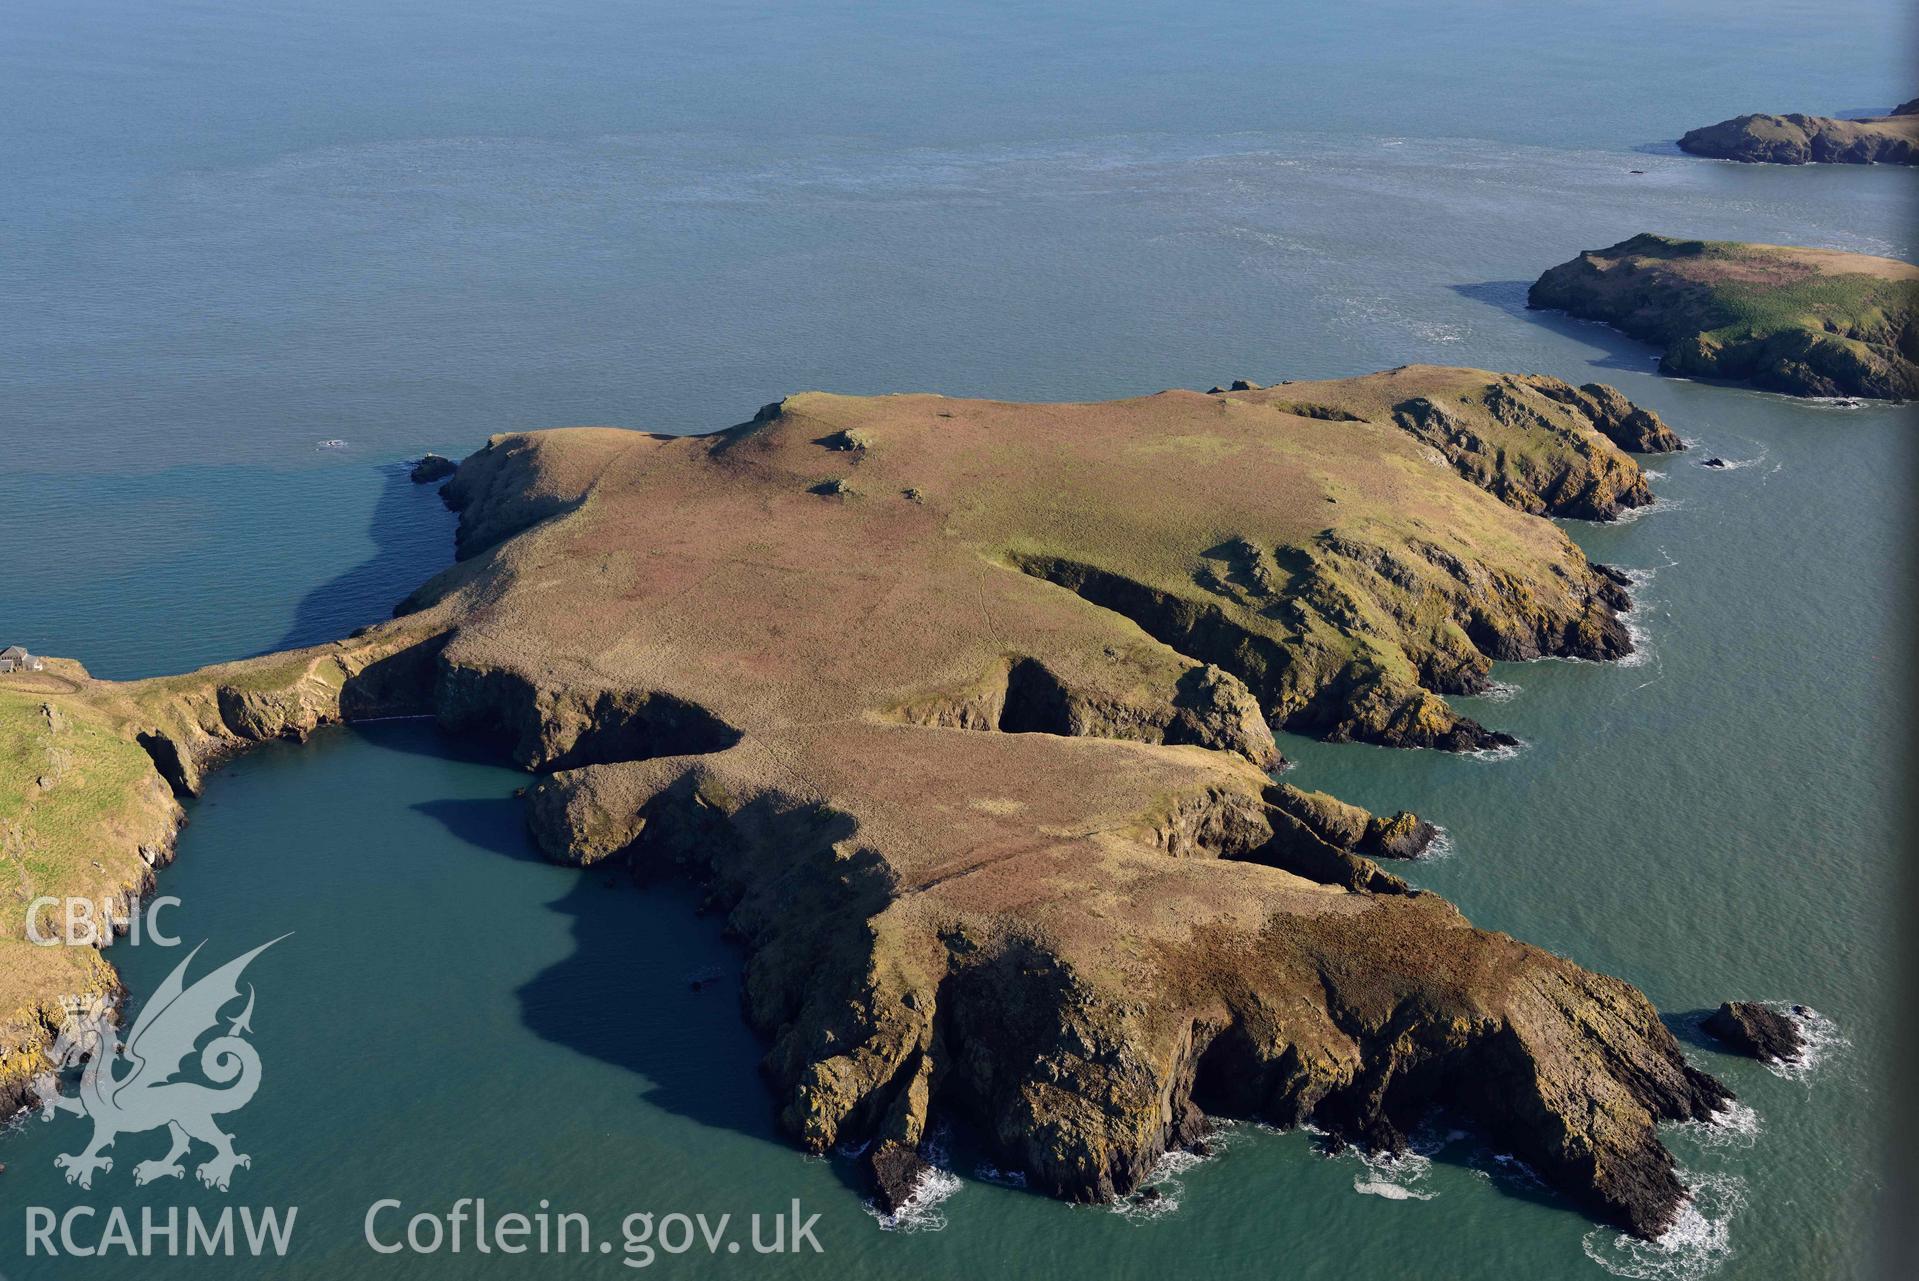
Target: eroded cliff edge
{"x": 960, "y": 711}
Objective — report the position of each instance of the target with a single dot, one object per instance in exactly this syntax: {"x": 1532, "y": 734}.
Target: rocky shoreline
{"x": 960, "y": 713}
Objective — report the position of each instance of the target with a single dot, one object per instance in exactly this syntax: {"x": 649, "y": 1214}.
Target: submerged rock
{"x": 1757, "y": 1030}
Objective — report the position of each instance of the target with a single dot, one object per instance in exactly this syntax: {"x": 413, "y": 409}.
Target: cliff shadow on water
{"x": 1615, "y": 350}
{"x": 650, "y": 985}
{"x": 412, "y": 535}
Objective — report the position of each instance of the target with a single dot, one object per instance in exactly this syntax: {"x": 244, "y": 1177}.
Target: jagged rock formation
{"x": 972, "y": 753}
{"x": 1807, "y": 322}
{"x": 1751, "y": 1028}
{"x": 1800, "y": 140}
{"x": 1585, "y": 478}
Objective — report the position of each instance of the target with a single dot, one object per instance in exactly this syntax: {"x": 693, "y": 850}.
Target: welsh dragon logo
{"x": 130, "y": 1087}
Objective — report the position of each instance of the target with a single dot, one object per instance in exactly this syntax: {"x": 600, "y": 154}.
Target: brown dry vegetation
{"x": 959, "y": 710}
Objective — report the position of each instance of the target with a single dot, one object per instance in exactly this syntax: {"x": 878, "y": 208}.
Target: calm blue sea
{"x": 229, "y": 233}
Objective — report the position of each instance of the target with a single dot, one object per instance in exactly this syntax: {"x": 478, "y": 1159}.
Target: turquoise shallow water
{"x": 234, "y": 234}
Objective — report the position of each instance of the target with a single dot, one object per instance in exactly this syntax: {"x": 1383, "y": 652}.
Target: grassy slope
{"x": 78, "y": 798}
{"x": 1158, "y": 491}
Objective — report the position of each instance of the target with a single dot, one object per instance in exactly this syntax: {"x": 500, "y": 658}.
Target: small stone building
{"x": 14, "y": 658}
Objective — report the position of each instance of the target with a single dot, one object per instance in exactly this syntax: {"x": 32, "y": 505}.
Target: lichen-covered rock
{"x": 897, "y": 1172}
{"x": 1586, "y": 477}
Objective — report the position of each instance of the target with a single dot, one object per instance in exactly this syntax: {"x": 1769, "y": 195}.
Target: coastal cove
{"x": 1711, "y": 819}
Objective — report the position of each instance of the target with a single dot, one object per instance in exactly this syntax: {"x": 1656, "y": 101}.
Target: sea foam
{"x": 920, "y": 1212}
{"x": 1699, "y": 1240}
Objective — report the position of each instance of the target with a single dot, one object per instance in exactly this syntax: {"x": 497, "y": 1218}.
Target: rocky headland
{"x": 1812, "y": 140}
{"x": 1806, "y": 322}
{"x": 961, "y": 713}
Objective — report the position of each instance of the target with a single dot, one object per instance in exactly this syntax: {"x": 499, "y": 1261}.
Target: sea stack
{"x": 1750, "y": 1028}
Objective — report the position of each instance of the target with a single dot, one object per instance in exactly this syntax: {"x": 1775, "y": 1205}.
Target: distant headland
{"x": 1812, "y": 140}
{"x": 1806, "y": 322}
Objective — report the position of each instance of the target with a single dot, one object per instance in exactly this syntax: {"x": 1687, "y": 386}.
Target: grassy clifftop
{"x": 1807, "y": 322}
{"x": 962, "y": 712}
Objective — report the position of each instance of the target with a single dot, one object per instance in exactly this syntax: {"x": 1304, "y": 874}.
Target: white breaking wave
{"x": 1441, "y": 846}
{"x": 1698, "y": 1241}
{"x": 1627, "y": 515}
{"x": 1733, "y": 1126}
{"x": 1396, "y": 1178}
{"x": 1820, "y": 1041}
{"x": 921, "y": 1211}
{"x": 986, "y": 1172}
{"x": 1634, "y": 621}
{"x": 1142, "y": 1208}
{"x": 1402, "y": 1176}
{"x": 1499, "y": 692}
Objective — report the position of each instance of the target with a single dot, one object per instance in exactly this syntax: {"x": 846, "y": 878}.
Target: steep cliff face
{"x": 1803, "y": 140}
{"x": 1215, "y": 957}
{"x": 1806, "y": 322}
{"x": 1588, "y": 479}
{"x": 960, "y": 712}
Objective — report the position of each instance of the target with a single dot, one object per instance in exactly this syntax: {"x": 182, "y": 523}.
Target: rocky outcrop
{"x": 190, "y": 725}
{"x": 1633, "y": 428}
{"x": 431, "y": 468}
{"x": 897, "y": 1172}
{"x": 1587, "y": 480}
{"x": 881, "y": 1020}
{"x": 1750, "y": 1028}
{"x": 1348, "y": 827}
{"x": 1805, "y": 322}
{"x": 1803, "y": 140}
